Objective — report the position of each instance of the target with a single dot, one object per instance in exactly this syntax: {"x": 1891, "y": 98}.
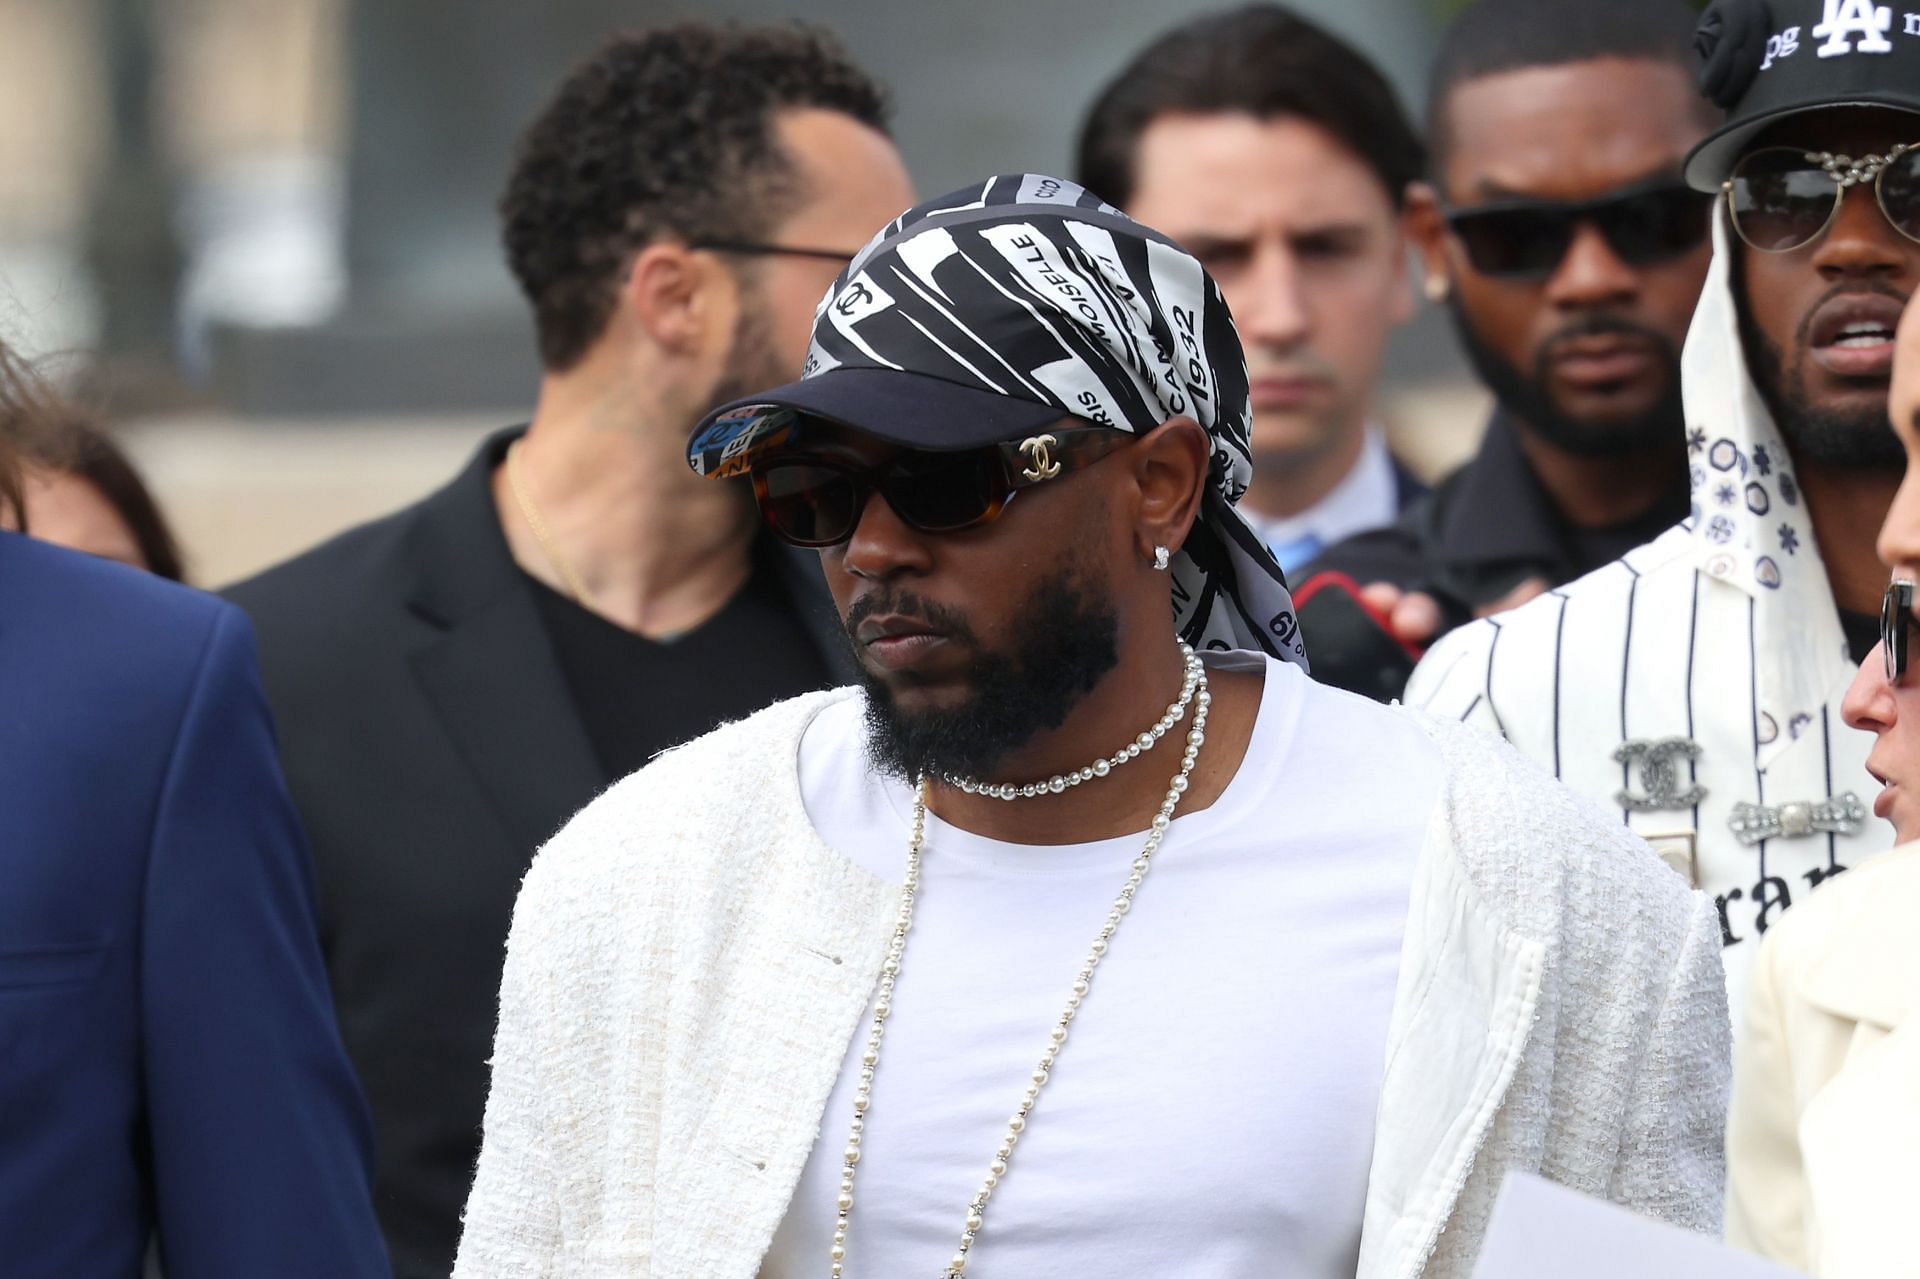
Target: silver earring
{"x": 1160, "y": 558}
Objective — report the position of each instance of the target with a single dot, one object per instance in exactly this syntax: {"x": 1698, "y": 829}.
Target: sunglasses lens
{"x": 1780, "y": 199}
{"x": 1888, "y": 638}
{"x": 1513, "y": 242}
{"x": 1655, "y": 226}
{"x": 941, "y": 492}
{"x": 1900, "y": 193}
{"x": 806, "y": 503}
{"x": 1896, "y": 629}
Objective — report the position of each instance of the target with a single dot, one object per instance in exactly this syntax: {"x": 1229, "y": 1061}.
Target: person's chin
{"x": 1283, "y": 434}
{"x": 919, "y": 688}
{"x": 1835, "y": 396}
{"x": 1602, "y": 403}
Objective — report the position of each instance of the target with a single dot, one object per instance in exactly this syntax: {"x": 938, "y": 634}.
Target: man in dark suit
{"x": 171, "y": 1079}
{"x": 453, "y": 681}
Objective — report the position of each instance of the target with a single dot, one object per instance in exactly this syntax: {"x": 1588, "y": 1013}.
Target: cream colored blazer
{"x": 1823, "y": 1143}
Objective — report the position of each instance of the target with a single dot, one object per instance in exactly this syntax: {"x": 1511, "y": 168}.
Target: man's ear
{"x": 678, "y": 295}
{"x": 1170, "y": 468}
{"x": 1427, "y": 229}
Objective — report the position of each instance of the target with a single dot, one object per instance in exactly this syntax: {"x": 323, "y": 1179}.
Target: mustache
{"x": 1803, "y": 333}
{"x": 895, "y": 602}
{"x": 1603, "y": 326}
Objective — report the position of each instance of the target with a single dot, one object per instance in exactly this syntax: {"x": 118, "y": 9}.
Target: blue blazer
{"x": 169, "y": 1064}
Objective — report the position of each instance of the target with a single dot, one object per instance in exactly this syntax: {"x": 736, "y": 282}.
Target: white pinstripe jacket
{"x": 1722, "y": 632}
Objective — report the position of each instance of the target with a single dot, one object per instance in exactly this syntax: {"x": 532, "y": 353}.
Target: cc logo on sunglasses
{"x": 1040, "y": 463}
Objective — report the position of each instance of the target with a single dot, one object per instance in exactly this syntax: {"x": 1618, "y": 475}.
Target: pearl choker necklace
{"x": 1082, "y": 983}
{"x": 1194, "y": 677}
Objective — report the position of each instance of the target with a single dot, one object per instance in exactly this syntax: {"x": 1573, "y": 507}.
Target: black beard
{"x": 1527, "y": 398}
{"x": 1069, "y": 640}
{"x": 1857, "y": 440}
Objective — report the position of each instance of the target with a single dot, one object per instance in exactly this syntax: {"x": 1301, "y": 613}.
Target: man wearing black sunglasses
{"x": 1559, "y": 236}
{"x": 1696, "y": 684}
{"x": 453, "y": 680}
{"x": 1088, "y": 880}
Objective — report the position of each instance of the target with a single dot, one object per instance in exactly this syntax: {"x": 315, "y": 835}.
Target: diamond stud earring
{"x": 1160, "y": 558}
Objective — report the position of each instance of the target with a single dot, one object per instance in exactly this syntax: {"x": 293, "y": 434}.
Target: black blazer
{"x": 431, "y": 745}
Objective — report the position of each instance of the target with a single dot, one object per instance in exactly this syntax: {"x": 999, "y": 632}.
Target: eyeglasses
{"x": 1783, "y": 198}
{"x": 1528, "y": 239}
{"x": 754, "y": 248}
{"x": 1896, "y": 628}
{"x": 816, "y": 500}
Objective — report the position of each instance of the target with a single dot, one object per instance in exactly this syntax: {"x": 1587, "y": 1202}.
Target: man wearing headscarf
{"x": 1694, "y": 685}
{"x": 1089, "y": 936}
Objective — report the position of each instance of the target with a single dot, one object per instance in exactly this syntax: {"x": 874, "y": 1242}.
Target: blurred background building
{"x": 260, "y": 234}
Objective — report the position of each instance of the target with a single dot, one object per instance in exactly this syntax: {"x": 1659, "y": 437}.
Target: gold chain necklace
{"x": 576, "y": 589}
{"x": 890, "y": 970}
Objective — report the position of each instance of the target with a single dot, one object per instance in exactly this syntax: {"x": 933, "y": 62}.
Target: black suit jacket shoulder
{"x": 431, "y": 745}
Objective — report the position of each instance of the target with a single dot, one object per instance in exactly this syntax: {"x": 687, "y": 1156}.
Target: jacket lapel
{"x": 489, "y": 669}
{"x": 1872, "y": 973}
{"x": 1462, "y": 1015}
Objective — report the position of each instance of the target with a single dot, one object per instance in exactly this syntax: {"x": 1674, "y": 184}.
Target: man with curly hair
{"x": 453, "y": 681}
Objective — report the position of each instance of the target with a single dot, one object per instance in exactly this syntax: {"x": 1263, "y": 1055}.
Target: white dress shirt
{"x": 1367, "y": 497}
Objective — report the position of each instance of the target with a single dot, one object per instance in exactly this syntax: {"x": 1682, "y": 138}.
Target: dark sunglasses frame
{"x": 1896, "y": 624}
{"x": 1607, "y": 213}
{"x": 1846, "y": 173}
{"x": 754, "y": 248}
{"x": 1013, "y": 468}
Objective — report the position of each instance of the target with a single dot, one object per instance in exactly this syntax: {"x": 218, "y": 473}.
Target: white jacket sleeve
{"x": 511, "y": 1226}
{"x": 1672, "y": 1162}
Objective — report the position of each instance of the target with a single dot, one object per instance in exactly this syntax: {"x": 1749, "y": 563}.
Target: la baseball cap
{"x": 1764, "y": 61}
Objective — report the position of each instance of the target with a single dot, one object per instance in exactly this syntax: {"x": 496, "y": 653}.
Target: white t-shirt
{"x": 1211, "y": 1115}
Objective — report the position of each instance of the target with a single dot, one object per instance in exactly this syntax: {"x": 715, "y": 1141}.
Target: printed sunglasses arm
{"x": 1040, "y": 458}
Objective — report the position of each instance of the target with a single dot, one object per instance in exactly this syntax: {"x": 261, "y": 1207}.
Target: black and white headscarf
{"x": 1031, "y": 287}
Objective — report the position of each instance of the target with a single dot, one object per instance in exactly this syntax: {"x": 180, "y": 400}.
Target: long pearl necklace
{"x": 890, "y": 971}
{"x": 1100, "y": 767}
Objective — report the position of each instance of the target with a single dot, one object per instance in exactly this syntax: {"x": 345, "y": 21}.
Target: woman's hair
{"x": 86, "y": 451}
{"x": 40, "y": 430}
{"x": 23, "y": 402}
{"x": 10, "y": 503}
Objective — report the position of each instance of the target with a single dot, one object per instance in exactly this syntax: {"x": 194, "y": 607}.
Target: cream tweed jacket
{"x": 689, "y": 962}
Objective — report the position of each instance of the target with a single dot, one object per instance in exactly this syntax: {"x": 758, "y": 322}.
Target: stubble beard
{"x": 1526, "y": 396}
{"x": 751, "y": 364}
